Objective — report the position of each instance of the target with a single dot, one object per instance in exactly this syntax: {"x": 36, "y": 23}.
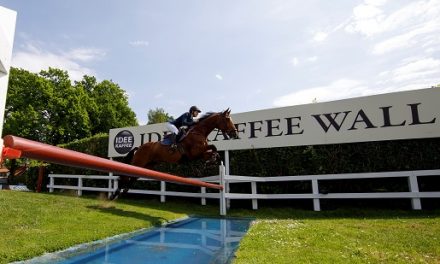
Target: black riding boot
{"x": 173, "y": 141}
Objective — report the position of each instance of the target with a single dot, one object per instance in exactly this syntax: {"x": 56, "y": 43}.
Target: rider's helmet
{"x": 194, "y": 108}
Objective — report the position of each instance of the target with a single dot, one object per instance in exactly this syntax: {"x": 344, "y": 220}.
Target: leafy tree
{"x": 25, "y": 111}
{"x": 108, "y": 107}
{"x": 46, "y": 107}
{"x": 66, "y": 109}
{"x": 158, "y": 116}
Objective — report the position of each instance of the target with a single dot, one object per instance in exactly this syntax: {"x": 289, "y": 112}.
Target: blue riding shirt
{"x": 185, "y": 119}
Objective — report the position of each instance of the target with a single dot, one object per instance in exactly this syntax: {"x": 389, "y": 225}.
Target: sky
{"x": 241, "y": 54}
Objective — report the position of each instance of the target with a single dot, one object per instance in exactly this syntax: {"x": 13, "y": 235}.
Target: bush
{"x": 399, "y": 155}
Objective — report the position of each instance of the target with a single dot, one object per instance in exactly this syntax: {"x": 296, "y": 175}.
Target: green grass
{"x": 351, "y": 236}
{"x": 32, "y": 224}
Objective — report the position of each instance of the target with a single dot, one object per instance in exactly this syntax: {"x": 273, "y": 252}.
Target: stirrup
{"x": 173, "y": 146}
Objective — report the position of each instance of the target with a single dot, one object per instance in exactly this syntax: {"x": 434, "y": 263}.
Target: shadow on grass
{"x": 155, "y": 221}
{"x": 188, "y": 207}
{"x": 343, "y": 213}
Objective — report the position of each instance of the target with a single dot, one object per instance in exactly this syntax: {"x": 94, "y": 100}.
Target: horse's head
{"x": 226, "y": 125}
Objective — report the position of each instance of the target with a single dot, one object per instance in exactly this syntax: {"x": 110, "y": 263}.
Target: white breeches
{"x": 172, "y": 128}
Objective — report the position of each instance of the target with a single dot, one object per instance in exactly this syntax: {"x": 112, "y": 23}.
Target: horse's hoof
{"x": 114, "y": 195}
{"x": 172, "y": 149}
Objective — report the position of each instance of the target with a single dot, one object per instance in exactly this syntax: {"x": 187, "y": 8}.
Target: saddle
{"x": 167, "y": 141}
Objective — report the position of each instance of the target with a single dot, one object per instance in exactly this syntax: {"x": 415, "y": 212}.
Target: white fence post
{"x": 254, "y": 192}
{"x": 414, "y": 188}
{"x": 109, "y": 185}
{"x": 162, "y": 190}
{"x": 227, "y": 172}
{"x": 222, "y": 191}
{"x": 80, "y": 185}
{"x": 203, "y": 191}
{"x": 315, "y": 190}
{"x": 115, "y": 184}
{"x": 52, "y": 183}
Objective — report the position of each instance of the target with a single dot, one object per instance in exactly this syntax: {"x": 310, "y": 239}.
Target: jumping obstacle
{"x": 17, "y": 147}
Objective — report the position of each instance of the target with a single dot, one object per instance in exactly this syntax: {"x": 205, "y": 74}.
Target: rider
{"x": 186, "y": 119}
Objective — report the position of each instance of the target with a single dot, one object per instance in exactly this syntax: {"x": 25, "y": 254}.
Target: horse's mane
{"x": 206, "y": 116}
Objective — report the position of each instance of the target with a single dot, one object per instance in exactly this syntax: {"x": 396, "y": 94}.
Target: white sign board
{"x": 7, "y": 32}
{"x": 401, "y": 115}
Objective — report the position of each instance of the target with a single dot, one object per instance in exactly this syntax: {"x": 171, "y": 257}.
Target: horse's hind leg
{"x": 125, "y": 182}
{"x": 140, "y": 158}
{"x": 130, "y": 183}
{"x": 115, "y": 194}
{"x": 143, "y": 156}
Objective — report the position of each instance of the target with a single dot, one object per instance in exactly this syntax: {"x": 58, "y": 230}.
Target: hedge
{"x": 95, "y": 145}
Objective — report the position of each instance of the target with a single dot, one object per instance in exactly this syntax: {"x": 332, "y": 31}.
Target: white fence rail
{"x": 413, "y": 192}
{"x": 113, "y": 185}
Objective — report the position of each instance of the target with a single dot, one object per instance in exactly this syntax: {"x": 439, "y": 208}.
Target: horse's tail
{"x": 129, "y": 157}
{"x": 125, "y": 182}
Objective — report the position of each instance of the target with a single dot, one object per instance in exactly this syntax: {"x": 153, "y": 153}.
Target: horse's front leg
{"x": 212, "y": 148}
{"x": 211, "y": 155}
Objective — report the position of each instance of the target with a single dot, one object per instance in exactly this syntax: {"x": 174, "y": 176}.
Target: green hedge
{"x": 399, "y": 155}
{"x": 95, "y": 145}
{"x": 418, "y": 154}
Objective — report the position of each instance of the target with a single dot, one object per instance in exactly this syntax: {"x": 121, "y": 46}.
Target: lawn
{"x": 344, "y": 236}
{"x": 32, "y": 224}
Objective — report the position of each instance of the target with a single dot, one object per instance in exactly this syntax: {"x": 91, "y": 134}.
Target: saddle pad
{"x": 166, "y": 141}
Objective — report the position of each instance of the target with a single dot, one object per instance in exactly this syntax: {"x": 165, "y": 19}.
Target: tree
{"x": 25, "y": 110}
{"x": 46, "y": 107}
{"x": 158, "y": 116}
{"x": 66, "y": 109}
{"x": 108, "y": 107}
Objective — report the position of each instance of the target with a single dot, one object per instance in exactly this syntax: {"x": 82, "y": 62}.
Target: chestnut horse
{"x": 194, "y": 145}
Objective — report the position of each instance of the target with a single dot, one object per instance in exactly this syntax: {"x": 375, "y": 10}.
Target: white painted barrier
{"x": 8, "y": 19}
{"x": 414, "y": 194}
{"x": 113, "y": 185}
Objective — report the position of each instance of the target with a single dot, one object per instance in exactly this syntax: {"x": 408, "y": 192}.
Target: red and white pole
{"x": 21, "y": 147}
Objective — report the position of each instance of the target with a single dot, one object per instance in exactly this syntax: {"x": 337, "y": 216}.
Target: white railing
{"x": 113, "y": 185}
{"x": 413, "y": 192}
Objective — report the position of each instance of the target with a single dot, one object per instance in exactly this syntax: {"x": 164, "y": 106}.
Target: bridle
{"x": 229, "y": 131}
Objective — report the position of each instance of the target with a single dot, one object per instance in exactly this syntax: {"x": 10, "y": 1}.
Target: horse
{"x": 192, "y": 146}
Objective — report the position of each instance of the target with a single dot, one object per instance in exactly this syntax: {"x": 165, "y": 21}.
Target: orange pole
{"x": 40, "y": 151}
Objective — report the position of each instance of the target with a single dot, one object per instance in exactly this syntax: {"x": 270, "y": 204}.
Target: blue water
{"x": 193, "y": 240}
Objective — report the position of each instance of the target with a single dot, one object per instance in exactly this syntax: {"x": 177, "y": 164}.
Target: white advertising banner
{"x": 401, "y": 115}
{"x": 7, "y": 31}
